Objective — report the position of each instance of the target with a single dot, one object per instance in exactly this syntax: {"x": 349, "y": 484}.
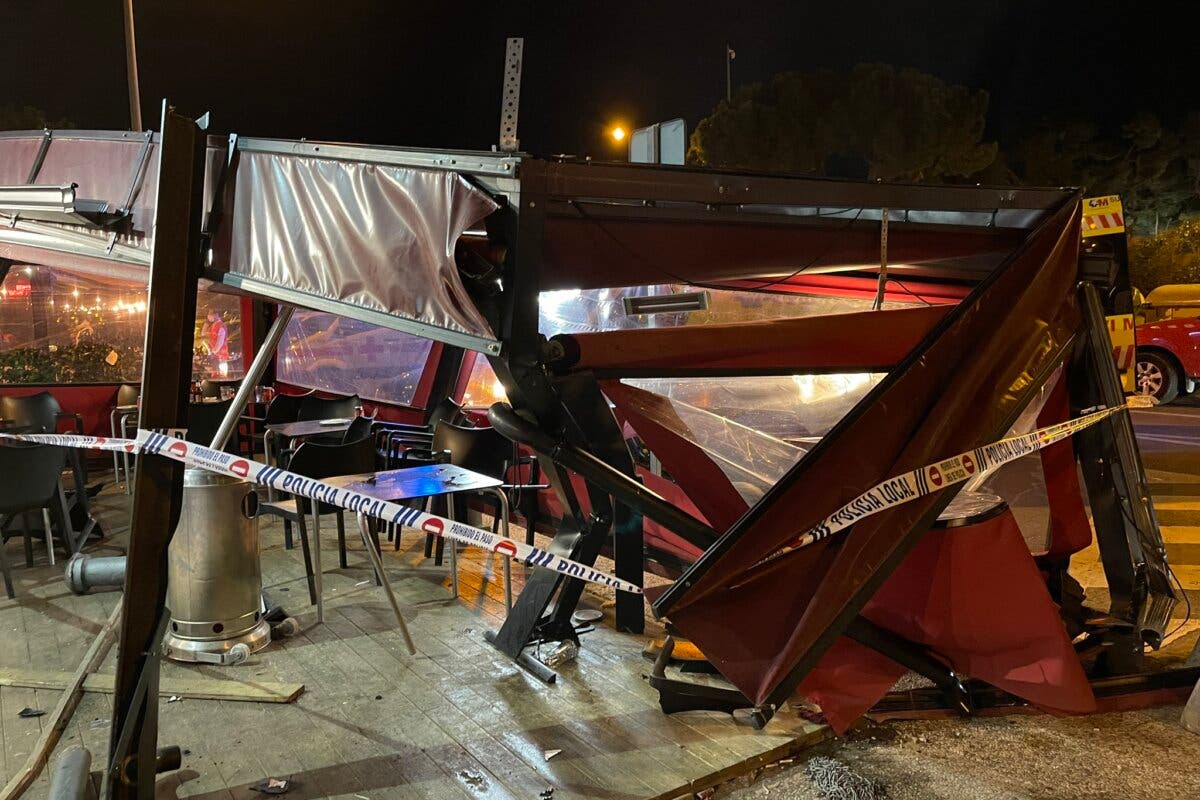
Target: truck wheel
{"x": 1157, "y": 377}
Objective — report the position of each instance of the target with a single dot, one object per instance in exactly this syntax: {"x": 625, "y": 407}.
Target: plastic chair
{"x": 125, "y": 410}
{"x": 37, "y": 413}
{"x": 30, "y": 480}
{"x": 313, "y": 460}
{"x": 312, "y": 407}
{"x": 204, "y": 419}
{"x": 488, "y": 452}
{"x": 360, "y": 428}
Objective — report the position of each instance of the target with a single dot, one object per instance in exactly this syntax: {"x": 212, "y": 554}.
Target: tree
{"x": 1154, "y": 169}
{"x": 1172, "y": 256}
{"x": 878, "y": 121}
{"x": 27, "y": 118}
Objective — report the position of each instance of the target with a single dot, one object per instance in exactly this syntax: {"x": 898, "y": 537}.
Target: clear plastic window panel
{"x": 344, "y": 356}
{"x": 584, "y": 311}
{"x": 60, "y": 327}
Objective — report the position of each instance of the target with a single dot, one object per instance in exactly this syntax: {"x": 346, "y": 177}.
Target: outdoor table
{"x": 310, "y": 427}
{"x": 426, "y": 481}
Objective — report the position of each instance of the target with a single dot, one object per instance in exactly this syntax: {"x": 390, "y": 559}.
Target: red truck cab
{"x": 1168, "y": 342}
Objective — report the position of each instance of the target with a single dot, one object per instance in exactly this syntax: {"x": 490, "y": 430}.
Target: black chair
{"x": 447, "y": 410}
{"x": 203, "y": 421}
{"x": 282, "y": 408}
{"x": 488, "y": 452}
{"x": 313, "y": 460}
{"x": 360, "y": 428}
{"x": 312, "y": 407}
{"x": 317, "y": 408}
{"x": 35, "y": 413}
{"x": 30, "y": 480}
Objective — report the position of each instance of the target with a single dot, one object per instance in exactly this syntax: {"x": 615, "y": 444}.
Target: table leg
{"x": 112, "y": 429}
{"x": 377, "y": 563}
{"x": 124, "y": 424}
{"x": 49, "y": 535}
{"x": 316, "y": 552}
{"x": 503, "y": 498}
{"x": 451, "y": 544}
{"x": 268, "y": 437}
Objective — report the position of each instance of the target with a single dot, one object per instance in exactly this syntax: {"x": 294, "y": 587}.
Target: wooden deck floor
{"x": 457, "y": 720}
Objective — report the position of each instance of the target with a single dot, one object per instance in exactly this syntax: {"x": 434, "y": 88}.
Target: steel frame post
{"x": 176, "y": 266}
{"x": 1131, "y": 546}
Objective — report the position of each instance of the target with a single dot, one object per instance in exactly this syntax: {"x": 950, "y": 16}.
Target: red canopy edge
{"x": 859, "y": 342}
{"x": 960, "y": 388}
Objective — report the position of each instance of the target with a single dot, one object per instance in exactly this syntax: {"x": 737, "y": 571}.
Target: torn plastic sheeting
{"x": 785, "y": 407}
{"x": 751, "y": 460}
{"x": 958, "y": 389}
{"x": 369, "y": 235}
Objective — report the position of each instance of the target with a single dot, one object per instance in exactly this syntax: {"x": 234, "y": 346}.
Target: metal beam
{"x": 174, "y": 271}
{"x": 383, "y": 319}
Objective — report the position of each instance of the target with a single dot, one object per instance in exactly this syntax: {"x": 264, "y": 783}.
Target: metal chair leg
{"x": 503, "y": 514}
{"x": 317, "y": 571}
{"x": 28, "y": 537}
{"x": 112, "y": 428}
{"x": 7, "y": 570}
{"x": 308, "y": 568}
{"x": 49, "y": 535}
{"x": 453, "y": 549}
{"x": 341, "y": 532}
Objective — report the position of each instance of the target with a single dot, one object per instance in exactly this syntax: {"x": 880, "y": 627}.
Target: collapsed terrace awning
{"x": 353, "y": 233}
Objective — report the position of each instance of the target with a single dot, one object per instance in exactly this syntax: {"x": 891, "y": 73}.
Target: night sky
{"x": 428, "y": 74}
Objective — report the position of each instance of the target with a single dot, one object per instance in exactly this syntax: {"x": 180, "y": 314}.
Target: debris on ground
{"x": 549, "y": 754}
{"x": 836, "y": 781}
{"x": 30, "y": 712}
{"x": 272, "y": 786}
{"x": 174, "y": 698}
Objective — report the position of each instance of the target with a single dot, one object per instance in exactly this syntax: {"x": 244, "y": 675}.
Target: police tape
{"x": 949, "y": 472}
{"x": 194, "y": 455}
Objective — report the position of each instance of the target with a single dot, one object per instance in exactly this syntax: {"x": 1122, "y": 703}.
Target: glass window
{"x": 344, "y": 356}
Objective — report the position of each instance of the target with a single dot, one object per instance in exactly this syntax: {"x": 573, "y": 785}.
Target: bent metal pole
{"x": 257, "y": 367}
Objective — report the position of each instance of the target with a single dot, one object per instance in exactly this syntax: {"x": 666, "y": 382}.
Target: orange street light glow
{"x": 618, "y": 133}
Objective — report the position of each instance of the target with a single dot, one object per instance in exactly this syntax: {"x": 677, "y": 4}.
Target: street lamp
{"x": 617, "y": 133}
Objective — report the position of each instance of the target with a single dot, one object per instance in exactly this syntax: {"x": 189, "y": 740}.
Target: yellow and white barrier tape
{"x": 950, "y": 472}
{"x": 194, "y": 455}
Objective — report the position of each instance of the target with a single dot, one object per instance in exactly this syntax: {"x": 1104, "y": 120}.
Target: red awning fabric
{"x": 596, "y": 251}
{"x": 766, "y": 625}
{"x": 863, "y": 341}
{"x": 974, "y": 596}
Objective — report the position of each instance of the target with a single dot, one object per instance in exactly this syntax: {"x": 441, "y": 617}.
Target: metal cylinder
{"x": 70, "y": 778}
{"x": 214, "y": 588}
{"x": 89, "y": 572}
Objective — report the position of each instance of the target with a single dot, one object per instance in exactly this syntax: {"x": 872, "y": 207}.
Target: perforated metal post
{"x": 510, "y": 101}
